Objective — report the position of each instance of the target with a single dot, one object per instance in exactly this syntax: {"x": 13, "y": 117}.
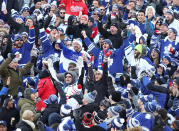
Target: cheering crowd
{"x": 89, "y": 65}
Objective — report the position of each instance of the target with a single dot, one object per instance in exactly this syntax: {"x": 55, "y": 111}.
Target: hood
{"x": 74, "y": 76}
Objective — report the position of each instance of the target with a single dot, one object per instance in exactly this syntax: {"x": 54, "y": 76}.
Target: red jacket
{"x": 45, "y": 88}
{"x": 73, "y": 7}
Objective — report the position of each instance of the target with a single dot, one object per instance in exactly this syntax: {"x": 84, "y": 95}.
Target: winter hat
{"x": 54, "y": 3}
{"x": 105, "y": 103}
{"x": 100, "y": 116}
{"x": 60, "y": 29}
{"x": 52, "y": 99}
{"x": 169, "y": 11}
{"x": 109, "y": 42}
{"x": 87, "y": 118}
{"x": 146, "y": 98}
{"x": 139, "y": 48}
{"x": 65, "y": 109}
{"x": 114, "y": 110}
{"x": 168, "y": 58}
{"x": 14, "y": 13}
{"x": 78, "y": 98}
{"x": 25, "y": 8}
{"x": 78, "y": 40}
{"x": 4, "y": 123}
{"x": 132, "y": 122}
{"x": 24, "y": 33}
{"x": 96, "y": 11}
{"x": 37, "y": 11}
{"x": 115, "y": 24}
{"x": 6, "y": 101}
{"x": 91, "y": 19}
{"x": 54, "y": 118}
{"x": 30, "y": 80}
{"x": 174, "y": 30}
{"x": 84, "y": 17}
{"x": 117, "y": 123}
{"x": 35, "y": 1}
{"x": 20, "y": 17}
{"x": 67, "y": 124}
{"x": 28, "y": 92}
{"x": 6, "y": 26}
{"x": 90, "y": 97}
{"x": 143, "y": 38}
{"x": 156, "y": 50}
{"x": 116, "y": 96}
{"x": 151, "y": 106}
{"x": 17, "y": 37}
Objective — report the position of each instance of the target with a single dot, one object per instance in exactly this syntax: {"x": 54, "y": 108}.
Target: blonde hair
{"x": 148, "y": 7}
{"x": 27, "y": 114}
{"x": 137, "y": 128}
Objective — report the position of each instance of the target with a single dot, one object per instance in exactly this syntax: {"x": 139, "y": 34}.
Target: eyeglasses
{"x": 95, "y": 14}
{"x": 62, "y": 12}
{"x": 19, "y": 40}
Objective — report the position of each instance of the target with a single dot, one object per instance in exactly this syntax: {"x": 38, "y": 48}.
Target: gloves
{"x": 171, "y": 118}
{"x": 107, "y": 54}
{"x": 10, "y": 55}
{"x": 33, "y": 59}
{"x": 100, "y": 17}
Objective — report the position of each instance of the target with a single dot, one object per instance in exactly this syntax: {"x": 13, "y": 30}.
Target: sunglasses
{"x": 62, "y": 12}
{"x": 102, "y": 9}
{"x": 19, "y": 40}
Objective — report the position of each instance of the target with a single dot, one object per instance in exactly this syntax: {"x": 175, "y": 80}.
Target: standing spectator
{"x": 10, "y": 4}
{"x": 75, "y": 7}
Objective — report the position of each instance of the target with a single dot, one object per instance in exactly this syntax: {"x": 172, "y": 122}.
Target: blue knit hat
{"x": 91, "y": 19}
{"x": 90, "y": 97}
{"x": 109, "y": 42}
{"x": 114, "y": 110}
{"x": 151, "y": 106}
{"x": 146, "y": 98}
{"x": 54, "y": 118}
{"x": 25, "y": 8}
{"x": 24, "y": 33}
{"x": 67, "y": 124}
{"x": 65, "y": 109}
{"x": 17, "y": 37}
{"x": 167, "y": 57}
{"x": 174, "y": 30}
{"x": 169, "y": 11}
{"x": 132, "y": 122}
{"x": 156, "y": 50}
{"x": 117, "y": 123}
{"x": 52, "y": 99}
{"x": 20, "y": 17}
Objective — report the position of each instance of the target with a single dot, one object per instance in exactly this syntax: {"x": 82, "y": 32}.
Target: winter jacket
{"x": 51, "y": 108}
{"x": 166, "y": 49}
{"x": 28, "y": 104}
{"x": 74, "y": 7}
{"x": 25, "y": 125}
{"x": 115, "y": 39}
{"x": 45, "y": 88}
{"x": 8, "y": 115}
{"x": 16, "y": 75}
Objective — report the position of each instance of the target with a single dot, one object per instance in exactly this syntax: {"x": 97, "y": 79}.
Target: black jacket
{"x": 115, "y": 39}
{"x": 51, "y": 108}
{"x": 100, "y": 86}
{"x": 11, "y": 4}
{"x": 8, "y": 115}
{"x": 24, "y": 126}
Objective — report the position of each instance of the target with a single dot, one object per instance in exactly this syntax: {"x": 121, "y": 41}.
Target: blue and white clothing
{"x": 25, "y": 50}
{"x": 166, "y": 45}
